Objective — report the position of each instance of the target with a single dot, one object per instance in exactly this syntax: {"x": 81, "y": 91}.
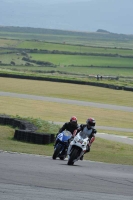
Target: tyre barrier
{"x": 97, "y": 84}
{"x": 26, "y": 131}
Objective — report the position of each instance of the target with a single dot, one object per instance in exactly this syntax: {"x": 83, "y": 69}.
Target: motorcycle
{"x": 61, "y": 146}
{"x": 77, "y": 148}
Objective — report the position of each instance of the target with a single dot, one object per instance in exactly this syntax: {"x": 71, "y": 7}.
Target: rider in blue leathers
{"x": 71, "y": 126}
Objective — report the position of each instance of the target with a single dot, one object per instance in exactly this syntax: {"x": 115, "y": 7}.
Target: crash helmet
{"x": 90, "y": 122}
{"x": 73, "y": 120}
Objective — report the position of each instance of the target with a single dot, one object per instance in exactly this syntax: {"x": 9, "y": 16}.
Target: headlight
{"x": 84, "y": 143}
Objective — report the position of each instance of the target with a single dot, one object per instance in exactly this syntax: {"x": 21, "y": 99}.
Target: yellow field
{"x": 62, "y": 112}
{"x": 67, "y": 91}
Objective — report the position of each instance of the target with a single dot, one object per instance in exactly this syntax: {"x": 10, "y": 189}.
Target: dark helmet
{"x": 91, "y": 122}
{"x": 73, "y": 120}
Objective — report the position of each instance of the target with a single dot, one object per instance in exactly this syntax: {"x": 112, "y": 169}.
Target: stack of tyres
{"x": 52, "y": 138}
{"x": 39, "y": 138}
{"x": 18, "y": 137}
{"x": 46, "y": 138}
{"x": 21, "y": 133}
{"x": 16, "y": 134}
{"x": 2, "y": 120}
{"x": 24, "y": 135}
{"x": 16, "y": 123}
{"x": 22, "y": 126}
{"x": 33, "y": 138}
{"x": 10, "y": 121}
{"x": 28, "y": 136}
{"x": 26, "y": 131}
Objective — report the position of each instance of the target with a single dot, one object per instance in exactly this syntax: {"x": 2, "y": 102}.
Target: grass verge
{"x": 67, "y": 91}
{"x": 61, "y": 112}
{"x": 101, "y": 150}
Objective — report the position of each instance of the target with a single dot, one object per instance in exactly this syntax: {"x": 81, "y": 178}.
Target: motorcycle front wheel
{"x": 73, "y": 156}
{"x": 56, "y": 152}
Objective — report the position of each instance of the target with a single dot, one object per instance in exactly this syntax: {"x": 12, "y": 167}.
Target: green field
{"x": 104, "y": 57}
{"x": 84, "y": 60}
{"x": 72, "y": 48}
{"x": 80, "y": 72}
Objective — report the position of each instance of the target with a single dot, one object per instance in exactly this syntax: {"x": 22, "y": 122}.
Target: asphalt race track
{"x": 32, "y": 177}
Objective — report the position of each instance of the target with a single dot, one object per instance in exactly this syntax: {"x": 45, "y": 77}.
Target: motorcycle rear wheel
{"x": 56, "y": 152}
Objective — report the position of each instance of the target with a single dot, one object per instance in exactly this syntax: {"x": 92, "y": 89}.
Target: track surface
{"x": 31, "y": 177}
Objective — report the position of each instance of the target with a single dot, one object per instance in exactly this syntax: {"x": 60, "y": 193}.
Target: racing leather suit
{"x": 90, "y": 132}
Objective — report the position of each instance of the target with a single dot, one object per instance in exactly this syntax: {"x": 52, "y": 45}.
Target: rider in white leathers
{"x": 89, "y": 130}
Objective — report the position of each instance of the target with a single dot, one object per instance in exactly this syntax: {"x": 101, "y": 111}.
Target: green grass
{"x": 101, "y": 150}
{"x": 72, "y": 48}
{"x": 83, "y": 60}
{"x": 82, "y": 72}
{"x": 8, "y": 43}
{"x": 7, "y": 58}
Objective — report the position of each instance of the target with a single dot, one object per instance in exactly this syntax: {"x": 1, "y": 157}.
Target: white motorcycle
{"x": 77, "y": 148}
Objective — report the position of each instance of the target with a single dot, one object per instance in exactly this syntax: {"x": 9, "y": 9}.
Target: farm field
{"x": 72, "y": 48}
{"x": 83, "y": 60}
{"x": 105, "y": 61}
{"x": 82, "y": 73}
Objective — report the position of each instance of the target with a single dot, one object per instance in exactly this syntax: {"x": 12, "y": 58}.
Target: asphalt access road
{"x": 112, "y": 137}
{"x": 32, "y": 177}
{"x": 67, "y": 101}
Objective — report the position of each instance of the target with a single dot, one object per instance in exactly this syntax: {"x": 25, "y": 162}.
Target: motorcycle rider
{"x": 89, "y": 130}
{"x": 71, "y": 126}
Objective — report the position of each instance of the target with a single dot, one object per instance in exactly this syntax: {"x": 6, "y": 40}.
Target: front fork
{"x": 69, "y": 149}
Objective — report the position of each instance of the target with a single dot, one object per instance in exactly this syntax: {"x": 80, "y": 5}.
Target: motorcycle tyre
{"x": 56, "y": 152}
{"x": 73, "y": 156}
{"x": 63, "y": 157}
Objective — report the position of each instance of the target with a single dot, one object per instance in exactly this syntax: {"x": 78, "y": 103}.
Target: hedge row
{"x": 97, "y": 84}
{"x": 26, "y": 131}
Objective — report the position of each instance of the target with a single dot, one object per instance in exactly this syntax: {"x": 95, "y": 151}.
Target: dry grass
{"x": 101, "y": 150}
{"x": 67, "y": 91}
{"x": 110, "y": 152}
{"x": 7, "y": 143}
{"x": 50, "y": 111}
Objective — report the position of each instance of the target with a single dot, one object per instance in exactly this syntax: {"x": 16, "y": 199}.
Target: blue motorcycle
{"x": 61, "y": 146}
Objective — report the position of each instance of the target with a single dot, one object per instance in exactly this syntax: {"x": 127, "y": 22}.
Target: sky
{"x": 75, "y": 15}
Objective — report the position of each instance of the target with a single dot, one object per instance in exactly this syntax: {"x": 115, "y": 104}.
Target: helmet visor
{"x": 74, "y": 122}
